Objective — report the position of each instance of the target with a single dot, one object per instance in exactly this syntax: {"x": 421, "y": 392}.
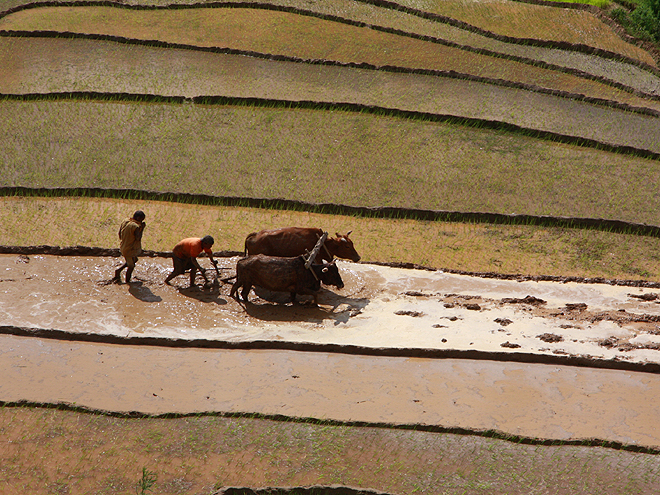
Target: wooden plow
{"x": 312, "y": 256}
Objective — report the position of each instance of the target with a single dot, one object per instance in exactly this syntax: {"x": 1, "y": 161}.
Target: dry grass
{"x": 471, "y": 247}
{"x": 523, "y": 20}
{"x": 501, "y": 17}
{"x": 317, "y": 156}
{"x": 47, "y": 451}
{"x": 282, "y": 33}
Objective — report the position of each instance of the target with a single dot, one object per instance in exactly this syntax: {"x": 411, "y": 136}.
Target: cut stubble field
{"x": 317, "y": 157}
{"x": 504, "y": 18}
{"x": 282, "y": 33}
{"x": 109, "y": 68}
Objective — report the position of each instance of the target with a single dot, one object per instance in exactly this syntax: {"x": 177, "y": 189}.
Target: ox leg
{"x": 246, "y": 292}
{"x": 234, "y": 288}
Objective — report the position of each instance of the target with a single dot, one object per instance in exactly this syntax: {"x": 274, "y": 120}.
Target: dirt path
{"x": 381, "y": 309}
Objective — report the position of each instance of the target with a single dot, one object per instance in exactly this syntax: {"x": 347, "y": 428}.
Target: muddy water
{"x": 378, "y": 307}
{"x": 530, "y": 400}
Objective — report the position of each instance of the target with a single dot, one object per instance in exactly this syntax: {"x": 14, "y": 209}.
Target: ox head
{"x": 328, "y": 273}
{"x": 342, "y": 247}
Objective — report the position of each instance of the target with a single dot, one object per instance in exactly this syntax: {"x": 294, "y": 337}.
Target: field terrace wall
{"x": 340, "y": 106}
{"x": 495, "y": 434}
{"x": 349, "y": 349}
{"x": 564, "y": 46}
{"x": 45, "y": 249}
{"x": 378, "y": 3}
{"x": 617, "y": 226}
{"x": 299, "y": 490}
{"x": 395, "y": 69}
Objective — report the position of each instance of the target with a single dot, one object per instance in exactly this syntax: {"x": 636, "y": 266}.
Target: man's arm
{"x": 139, "y": 230}
{"x": 209, "y": 253}
{"x": 196, "y": 263}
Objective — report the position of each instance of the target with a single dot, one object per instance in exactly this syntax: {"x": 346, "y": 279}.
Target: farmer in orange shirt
{"x": 185, "y": 255}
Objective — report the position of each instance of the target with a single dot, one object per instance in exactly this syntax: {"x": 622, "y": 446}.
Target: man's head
{"x": 138, "y": 215}
{"x": 207, "y": 241}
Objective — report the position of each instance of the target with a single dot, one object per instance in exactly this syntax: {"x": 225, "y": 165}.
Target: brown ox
{"x": 283, "y": 275}
{"x": 294, "y": 241}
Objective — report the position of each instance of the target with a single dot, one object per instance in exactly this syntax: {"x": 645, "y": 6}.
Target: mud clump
{"x": 649, "y": 296}
{"x": 534, "y": 301}
{"x": 576, "y": 306}
{"x": 414, "y": 314}
{"x": 551, "y": 338}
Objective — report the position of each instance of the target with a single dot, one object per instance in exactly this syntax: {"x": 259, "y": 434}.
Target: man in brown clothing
{"x": 130, "y": 235}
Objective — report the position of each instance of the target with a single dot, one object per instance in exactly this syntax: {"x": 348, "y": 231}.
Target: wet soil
{"x": 400, "y": 310}
{"x": 63, "y": 322}
{"x": 530, "y": 400}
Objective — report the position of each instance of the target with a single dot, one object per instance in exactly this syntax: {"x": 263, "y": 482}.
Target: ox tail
{"x": 247, "y": 239}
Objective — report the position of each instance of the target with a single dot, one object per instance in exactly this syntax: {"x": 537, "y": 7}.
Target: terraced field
{"x": 493, "y": 108}
{"x": 417, "y": 69}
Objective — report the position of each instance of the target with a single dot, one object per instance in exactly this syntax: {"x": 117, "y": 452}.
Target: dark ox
{"x": 294, "y": 241}
{"x": 283, "y": 275}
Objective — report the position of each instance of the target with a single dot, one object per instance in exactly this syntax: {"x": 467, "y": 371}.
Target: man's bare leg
{"x": 117, "y": 277}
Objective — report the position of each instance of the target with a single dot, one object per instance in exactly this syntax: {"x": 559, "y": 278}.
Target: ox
{"x": 283, "y": 275}
{"x": 294, "y": 241}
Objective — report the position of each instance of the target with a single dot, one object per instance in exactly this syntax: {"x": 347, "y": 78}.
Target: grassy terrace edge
{"x": 655, "y": 53}
{"x": 494, "y": 434}
{"x": 298, "y": 11}
{"x": 379, "y": 3}
{"x": 388, "y": 68}
{"x": 335, "y": 106}
{"x": 333, "y": 489}
{"x": 387, "y": 212}
{"x": 577, "y": 361}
